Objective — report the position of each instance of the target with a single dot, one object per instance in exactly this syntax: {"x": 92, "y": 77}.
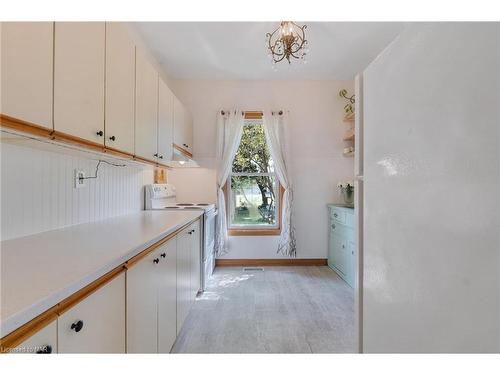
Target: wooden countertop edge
{"x": 28, "y": 329}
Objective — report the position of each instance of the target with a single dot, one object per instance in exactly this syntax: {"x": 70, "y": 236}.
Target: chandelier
{"x": 286, "y": 42}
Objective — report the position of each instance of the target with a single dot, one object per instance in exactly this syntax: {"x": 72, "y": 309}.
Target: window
{"x": 253, "y": 191}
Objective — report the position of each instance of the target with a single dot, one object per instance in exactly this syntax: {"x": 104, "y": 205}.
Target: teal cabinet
{"x": 341, "y": 244}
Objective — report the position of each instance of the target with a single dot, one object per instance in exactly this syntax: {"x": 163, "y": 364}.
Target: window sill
{"x": 254, "y": 232}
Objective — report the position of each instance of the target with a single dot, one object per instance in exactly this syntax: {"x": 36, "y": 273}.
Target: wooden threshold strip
{"x": 28, "y": 329}
{"x": 287, "y": 262}
{"x": 54, "y": 135}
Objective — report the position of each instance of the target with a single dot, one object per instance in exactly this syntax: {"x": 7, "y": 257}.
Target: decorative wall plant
{"x": 349, "y": 107}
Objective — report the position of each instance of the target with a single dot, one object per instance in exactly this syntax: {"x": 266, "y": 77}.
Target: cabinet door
{"x": 142, "y": 309}
{"x": 120, "y": 88}
{"x": 146, "y": 110}
{"x": 79, "y": 79}
{"x": 183, "y": 277}
{"x": 26, "y": 73}
{"x": 96, "y": 324}
{"x": 42, "y": 342}
{"x": 165, "y": 122}
{"x": 195, "y": 260}
{"x": 182, "y": 126}
{"x": 167, "y": 303}
{"x": 351, "y": 263}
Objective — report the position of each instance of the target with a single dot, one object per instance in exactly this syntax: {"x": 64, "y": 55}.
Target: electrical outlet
{"x": 79, "y": 178}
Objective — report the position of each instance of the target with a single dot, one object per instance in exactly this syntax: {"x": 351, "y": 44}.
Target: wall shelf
{"x": 349, "y": 117}
{"x": 349, "y": 136}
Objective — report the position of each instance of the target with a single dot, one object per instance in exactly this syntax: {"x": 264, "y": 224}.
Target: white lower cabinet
{"x": 183, "y": 277}
{"x": 160, "y": 290}
{"x": 42, "y": 342}
{"x": 167, "y": 294}
{"x": 151, "y": 301}
{"x": 96, "y": 324}
{"x": 142, "y": 305}
{"x": 195, "y": 263}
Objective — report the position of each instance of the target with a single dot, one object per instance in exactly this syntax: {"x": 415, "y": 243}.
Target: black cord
{"x": 97, "y": 168}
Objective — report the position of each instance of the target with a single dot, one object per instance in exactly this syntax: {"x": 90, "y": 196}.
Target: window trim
{"x": 274, "y": 231}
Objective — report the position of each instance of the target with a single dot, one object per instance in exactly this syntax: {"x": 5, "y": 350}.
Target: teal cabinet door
{"x": 341, "y": 246}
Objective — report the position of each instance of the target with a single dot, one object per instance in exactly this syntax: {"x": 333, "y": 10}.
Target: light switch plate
{"x": 79, "y": 178}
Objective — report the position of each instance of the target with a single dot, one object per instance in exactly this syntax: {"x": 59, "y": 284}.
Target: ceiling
{"x": 237, "y": 50}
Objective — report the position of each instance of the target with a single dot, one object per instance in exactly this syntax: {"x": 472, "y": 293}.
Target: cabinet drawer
{"x": 338, "y": 215}
{"x": 96, "y": 324}
{"x": 341, "y": 230}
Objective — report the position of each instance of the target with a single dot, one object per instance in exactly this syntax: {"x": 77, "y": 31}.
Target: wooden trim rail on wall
{"x": 28, "y": 329}
{"x": 54, "y": 135}
{"x": 270, "y": 262}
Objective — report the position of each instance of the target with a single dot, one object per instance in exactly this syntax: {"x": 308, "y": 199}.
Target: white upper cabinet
{"x": 26, "y": 74}
{"x": 165, "y": 122}
{"x": 183, "y": 127}
{"x": 146, "y": 108}
{"x": 96, "y": 324}
{"x": 120, "y": 88}
{"x": 79, "y": 79}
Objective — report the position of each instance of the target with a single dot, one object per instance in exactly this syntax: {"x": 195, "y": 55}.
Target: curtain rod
{"x": 251, "y": 113}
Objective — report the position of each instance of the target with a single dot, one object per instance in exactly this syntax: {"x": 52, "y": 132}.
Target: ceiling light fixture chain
{"x": 286, "y": 42}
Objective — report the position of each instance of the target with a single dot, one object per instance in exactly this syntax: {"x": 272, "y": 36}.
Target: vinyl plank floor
{"x": 278, "y": 310}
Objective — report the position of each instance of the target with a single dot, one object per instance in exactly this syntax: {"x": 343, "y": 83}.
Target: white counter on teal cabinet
{"x": 341, "y": 245}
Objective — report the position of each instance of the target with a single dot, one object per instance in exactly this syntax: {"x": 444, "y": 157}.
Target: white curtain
{"x": 229, "y": 129}
{"x": 275, "y": 130}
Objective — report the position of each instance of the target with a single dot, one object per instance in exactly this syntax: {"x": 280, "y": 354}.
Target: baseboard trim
{"x": 270, "y": 262}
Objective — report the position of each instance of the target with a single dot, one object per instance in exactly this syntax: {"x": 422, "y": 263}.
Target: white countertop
{"x": 41, "y": 270}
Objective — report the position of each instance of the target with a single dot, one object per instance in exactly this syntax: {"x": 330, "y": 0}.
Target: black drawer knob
{"x": 113, "y": 138}
{"x": 163, "y": 255}
{"x": 156, "y": 261}
{"x": 161, "y": 156}
{"x": 46, "y": 349}
{"x": 77, "y": 327}
{"x": 155, "y": 154}
{"x": 100, "y": 133}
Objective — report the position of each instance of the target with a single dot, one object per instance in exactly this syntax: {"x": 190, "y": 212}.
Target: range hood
{"x": 181, "y": 160}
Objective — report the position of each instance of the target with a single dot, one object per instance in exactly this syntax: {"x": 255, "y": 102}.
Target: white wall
{"x": 316, "y": 130}
{"x": 37, "y": 192}
{"x": 431, "y": 172}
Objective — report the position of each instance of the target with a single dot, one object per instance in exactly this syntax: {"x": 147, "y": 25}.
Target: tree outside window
{"x": 253, "y": 188}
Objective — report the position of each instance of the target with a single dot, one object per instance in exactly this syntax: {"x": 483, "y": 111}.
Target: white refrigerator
{"x": 430, "y": 191}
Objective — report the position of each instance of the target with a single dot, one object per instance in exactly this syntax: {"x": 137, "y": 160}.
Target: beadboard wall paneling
{"x": 38, "y": 194}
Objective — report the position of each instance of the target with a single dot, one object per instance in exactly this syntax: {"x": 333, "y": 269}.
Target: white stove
{"x": 164, "y": 197}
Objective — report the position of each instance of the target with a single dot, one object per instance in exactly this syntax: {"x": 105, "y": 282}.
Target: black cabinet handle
{"x": 46, "y": 349}
{"x": 156, "y": 261}
{"x": 161, "y": 156}
{"x": 100, "y": 133}
{"x": 112, "y": 138}
{"x": 77, "y": 327}
{"x": 163, "y": 255}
